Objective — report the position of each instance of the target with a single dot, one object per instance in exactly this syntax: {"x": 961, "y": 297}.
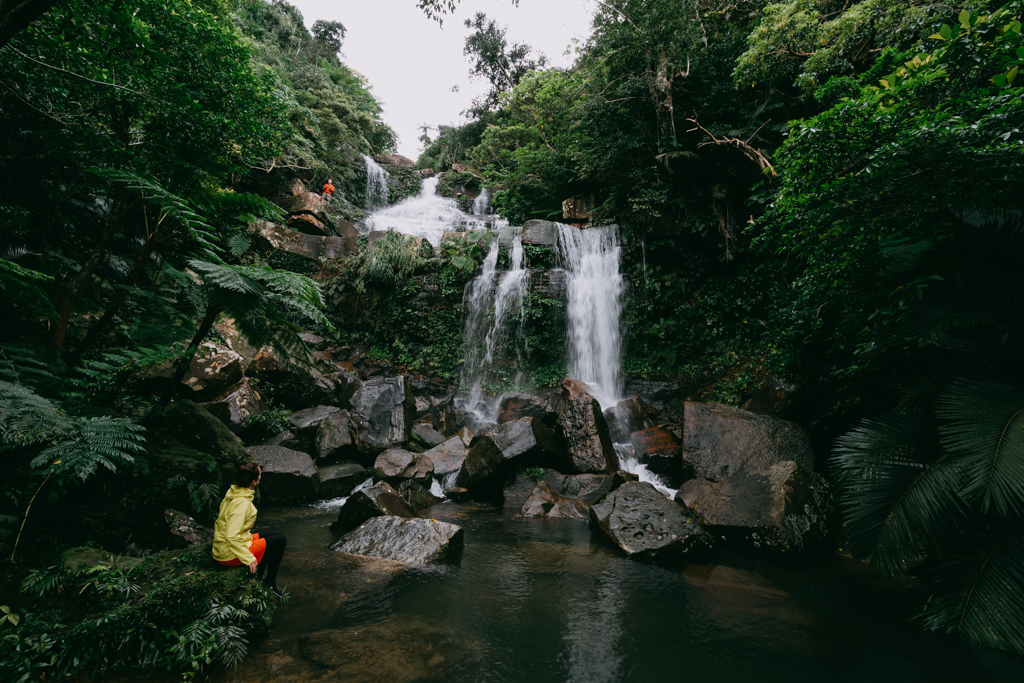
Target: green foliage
{"x": 390, "y": 261}
{"x": 452, "y": 145}
{"x": 267, "y": 424}
{"x": 461, "y": 256}
{"x": 535, "y": 473}
{"x": 169, "y": 613}
{"x": 494, "y": 60}
{"x": 332, "y": 111}
{"x": 806, "y": 42}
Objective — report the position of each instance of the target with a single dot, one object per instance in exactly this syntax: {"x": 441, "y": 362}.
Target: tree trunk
{"x": 102, "y": 327}
{"x": 17, "y": 14}
{"x": 78, "y": 283}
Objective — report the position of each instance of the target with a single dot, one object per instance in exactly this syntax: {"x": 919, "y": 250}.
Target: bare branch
{"x": 751, "y": 153}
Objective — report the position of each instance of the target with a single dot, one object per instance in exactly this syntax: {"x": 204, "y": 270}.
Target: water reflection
{"x": 540, "y": 600}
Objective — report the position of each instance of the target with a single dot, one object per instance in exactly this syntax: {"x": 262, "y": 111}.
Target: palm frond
{"x": 897, "y": 490}
{"x": 979, "y": 594}
{"x": 985, "y": 431}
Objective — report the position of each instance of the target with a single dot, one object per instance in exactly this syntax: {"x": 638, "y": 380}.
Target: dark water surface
{"x": 540, "y": 600}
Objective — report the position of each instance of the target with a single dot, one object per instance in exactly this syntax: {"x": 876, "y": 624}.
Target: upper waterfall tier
{"x": 429, "y": 216}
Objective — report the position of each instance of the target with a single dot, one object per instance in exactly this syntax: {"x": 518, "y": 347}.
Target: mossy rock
{"x": 195, "y": 426}
{"x": 295, "y": 263}
{"x": 83, "y": 558}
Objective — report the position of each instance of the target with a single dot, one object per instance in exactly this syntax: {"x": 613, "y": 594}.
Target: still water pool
{"x": 540, "y": 600}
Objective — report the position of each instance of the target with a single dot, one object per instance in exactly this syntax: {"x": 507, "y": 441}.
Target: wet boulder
{"x": 237, "y": 404}
{"x": 339, "y": 480}
{"x": 517, "y": 492}
{"x": 540, "y": 233}
{"x": 300, "y": 387}
{"x": 720, "y": 441}
{"x": 427, "y": 433}
{"x": 304, "y": 424}
{"x": 584, "y": 430}
{"x": 784, "y": 509}
{"x": 410, "y": 541}
{"x": 644, "y": 524}
{"x": 374, "y": 501}
{"x": 772, "y": 397}
{"x": 661, "y": 452}
{"x": 333, "y": 438}
{"x": 544, "y": 501}
{"x": 511, "y": 446}
{"x": 301, "y": 242}
{"x": 195, "y": 426}
{"x": 417, "y": 494}
{"x": 588, "y": 488}
{"x": 396, "y": 465}
{"x": 659, "y": 395}
{"x": 382, "y": 413}
{"x": 630, "y": 415}
{"x": 213, "y": 370}
{"x": 517, "y": 406}
{"x": 288, "y": 475}
{"x": 449, "y": 455}
{"x": 287, "y": 438}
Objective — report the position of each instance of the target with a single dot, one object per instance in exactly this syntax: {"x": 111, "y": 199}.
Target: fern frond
{"x": 22, "y": 365}
{"x": 28, "y": 419}
{"x": 107, "y": 442}
{"x": 239, "y": 243}
{"x": 241, "y": 205}
{"x": 985, "y": 432}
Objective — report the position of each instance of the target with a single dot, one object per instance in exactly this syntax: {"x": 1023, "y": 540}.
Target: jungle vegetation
{"x": 824, "y": 190}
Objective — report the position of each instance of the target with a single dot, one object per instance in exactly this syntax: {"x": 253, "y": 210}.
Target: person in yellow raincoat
{"x": 234, "y": 544}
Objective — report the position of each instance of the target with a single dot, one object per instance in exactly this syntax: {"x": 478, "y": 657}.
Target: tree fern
{"x": 169, "y": 204}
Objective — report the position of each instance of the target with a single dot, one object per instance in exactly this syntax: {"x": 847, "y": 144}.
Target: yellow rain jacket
{"x": 232, "y": 532}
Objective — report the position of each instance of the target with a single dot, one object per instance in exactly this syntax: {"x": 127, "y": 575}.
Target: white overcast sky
{"x": 412, "y": 63}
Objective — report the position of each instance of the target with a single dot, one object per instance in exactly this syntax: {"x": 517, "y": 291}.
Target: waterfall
{"x": 429, "y": 215}
{"x": 482, "y": 203}
{"x": 376, "y": 185}
{"x": 493, "y": 302}
{"x": 594, "y": 292}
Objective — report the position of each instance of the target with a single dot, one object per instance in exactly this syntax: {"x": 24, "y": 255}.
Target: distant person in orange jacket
{"x": 328, "y": 190}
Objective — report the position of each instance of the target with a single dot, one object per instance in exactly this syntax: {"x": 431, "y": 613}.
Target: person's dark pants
{"x": 272, "y": 557}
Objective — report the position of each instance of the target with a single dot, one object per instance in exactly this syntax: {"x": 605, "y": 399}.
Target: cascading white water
{"x": 594, "y": 292}
{"x": 429, "y": 216}
{"x": 493, "y": 302}
{"x": 376, "y": 185}
{"x": 482, "y": 203}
